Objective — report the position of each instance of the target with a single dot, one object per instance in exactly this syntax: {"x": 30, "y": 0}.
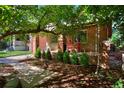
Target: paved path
{"x": 26, "y": 71}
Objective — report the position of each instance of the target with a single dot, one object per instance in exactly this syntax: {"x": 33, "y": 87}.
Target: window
{"x": 81, "y": 37}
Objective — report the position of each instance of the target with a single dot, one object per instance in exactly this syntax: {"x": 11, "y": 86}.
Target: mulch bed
{"x": 76, "y": 76}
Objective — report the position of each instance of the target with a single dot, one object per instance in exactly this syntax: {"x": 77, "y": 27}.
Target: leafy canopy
{"x": 18, "y": 19}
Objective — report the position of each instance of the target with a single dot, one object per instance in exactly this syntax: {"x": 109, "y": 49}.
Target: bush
{"x": 43, "y": 54}
{"x": 118, "y": 84}
{"x": 3, "y": 45}
{"x": 59, "y": 56}
{"x": 84, "y": 60}
{"x": 66, "y": 57}
{"x": 38, "y": 53}
{"x": 74, "y": 58}
{"x": 48, "y": 55}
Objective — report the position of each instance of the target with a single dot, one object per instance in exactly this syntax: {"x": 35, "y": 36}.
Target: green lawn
{"x": 13, "y": 53}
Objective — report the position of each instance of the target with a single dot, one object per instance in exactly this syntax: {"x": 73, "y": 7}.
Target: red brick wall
{"x": 91, "y": 30}
{"x": 42, "y": 42}
{"x": 105, "y": 33}
{"x": 33, "y": 44}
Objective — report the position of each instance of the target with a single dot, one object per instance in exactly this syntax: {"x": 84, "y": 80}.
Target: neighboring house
{"x": 84, "y": 40}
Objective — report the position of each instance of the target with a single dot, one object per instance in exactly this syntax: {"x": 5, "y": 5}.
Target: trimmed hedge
{"x": 38, "y": 53}
{"x": 59, "y": 56}
{"x": 48, "y": 55}
{"x": 66, "y": 57}
{"x": 43, "y": 54}
{"x": 74, "y": 58}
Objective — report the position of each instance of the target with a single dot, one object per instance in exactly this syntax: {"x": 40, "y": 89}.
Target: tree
{"x": 33, "y": 19}
{"x": 22, "y": 19}
{"x": 66, "y": 20}
{"x": 102, "y": 15}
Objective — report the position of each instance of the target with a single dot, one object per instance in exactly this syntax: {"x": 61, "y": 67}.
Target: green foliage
{"x": 74, "y": 58}
{"x": 66, "y": 18}
{"x": 48, "y": 55}
{"x": 43, "y": 54}
{"x": 38, "y": 53}
{"x": 3, "y": 45}
{"x": 53, "y": 38}
{"x": 24, "y": 37}
{"x": 118, "y": 39}
{"x": 119, "y": 84}
{"x": 66, "y": 57}
{"x": 13, "y": 83}
{"x": 59, "y": 56}
{"x": 84, "y": 60}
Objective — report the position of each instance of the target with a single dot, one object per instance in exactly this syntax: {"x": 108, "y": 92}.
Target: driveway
{"x": 26, "y": 71}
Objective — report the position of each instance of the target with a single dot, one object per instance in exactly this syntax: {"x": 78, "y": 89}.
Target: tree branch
{"x": 8, "y": 33}
{"x": 38, "y": 29}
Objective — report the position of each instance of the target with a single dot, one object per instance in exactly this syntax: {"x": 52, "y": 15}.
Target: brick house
{"x": 84, "y": 41}
{"x": 86, "y": 38}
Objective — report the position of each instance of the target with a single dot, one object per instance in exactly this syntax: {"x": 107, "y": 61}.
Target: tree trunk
{"x": 98, "y": 48}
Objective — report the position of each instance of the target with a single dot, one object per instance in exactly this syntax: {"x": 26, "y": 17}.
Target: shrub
{"x": 43, "y": 54}
{"x": 118, "y": 84}
{"x": 59, "y": 56}
{"x": 74, "y": 58}
{"x": 3, "y": 45}
{"x": 66, "y": 57}
{"x": 48, "y": 55}
{"x": 38, "y": 53}
{"x": 84, "y": 60}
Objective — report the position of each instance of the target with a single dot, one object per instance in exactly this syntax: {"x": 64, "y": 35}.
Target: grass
{"x": 13, "y": 53}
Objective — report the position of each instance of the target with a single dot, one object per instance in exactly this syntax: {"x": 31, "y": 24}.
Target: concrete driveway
{"x": 26, "y": 71}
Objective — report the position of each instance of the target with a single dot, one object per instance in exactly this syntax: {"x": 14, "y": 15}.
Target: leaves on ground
{"x": 77, "y": 76}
